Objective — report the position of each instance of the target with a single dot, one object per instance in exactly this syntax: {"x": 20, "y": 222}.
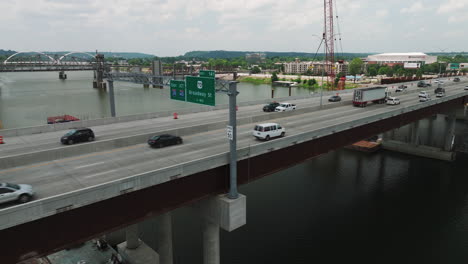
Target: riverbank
{"x": 302, "y": 81}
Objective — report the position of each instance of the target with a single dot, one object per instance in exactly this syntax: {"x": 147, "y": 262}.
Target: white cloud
{"x": 453, "y": 6}
{"x": 172, "y": 27}
{"x": 416, "y": 7}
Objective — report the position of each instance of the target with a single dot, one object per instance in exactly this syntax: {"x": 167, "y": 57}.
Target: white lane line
{"x": 96, "y": 174}
{"x": 89, "y": 165}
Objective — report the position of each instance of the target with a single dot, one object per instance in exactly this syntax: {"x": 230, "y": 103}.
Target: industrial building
{"x": 409, "y": 60}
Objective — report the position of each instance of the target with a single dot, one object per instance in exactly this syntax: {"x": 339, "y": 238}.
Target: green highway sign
{"x": 210, "y": 74}
{"x": 178, "y": 90}
{"x": 200, "y": 90}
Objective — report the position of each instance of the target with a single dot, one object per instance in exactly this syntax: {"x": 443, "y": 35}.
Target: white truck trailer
{"x": 363, "y": 96}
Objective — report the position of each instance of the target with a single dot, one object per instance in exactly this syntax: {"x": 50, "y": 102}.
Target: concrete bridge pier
{"x": 135, "y": 251}
{"x": 219, "y": 212}
{"x": 164, "y": 237}
{"x": 62, "y": 75}
{"x": 412, "y": 143}
{"x": 99, "y": 72}
{"x": 414, "y": 139}
{"x": 450, "y": 134}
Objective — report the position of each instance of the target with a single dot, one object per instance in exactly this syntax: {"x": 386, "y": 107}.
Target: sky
{"x": 174, "y": 27}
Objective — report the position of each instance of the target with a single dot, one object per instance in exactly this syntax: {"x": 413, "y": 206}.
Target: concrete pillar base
{"x": 140, "y": 255}
{"x": 229, "y": 214}
{"x": 418, "y": 150}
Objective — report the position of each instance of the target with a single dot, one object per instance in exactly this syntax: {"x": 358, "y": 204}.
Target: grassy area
{"x": 255, "y": 80}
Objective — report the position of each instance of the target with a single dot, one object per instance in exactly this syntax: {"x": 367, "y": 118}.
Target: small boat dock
{"x": 366, "y": 146}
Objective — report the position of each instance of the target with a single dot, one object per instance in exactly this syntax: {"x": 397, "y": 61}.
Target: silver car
{"x": 15, "y": 192}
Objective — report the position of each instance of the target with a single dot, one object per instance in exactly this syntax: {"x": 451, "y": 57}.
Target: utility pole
{"x": 232, "y": 93}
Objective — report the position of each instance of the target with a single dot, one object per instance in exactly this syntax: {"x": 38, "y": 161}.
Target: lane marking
{"x": 88, "y": 165}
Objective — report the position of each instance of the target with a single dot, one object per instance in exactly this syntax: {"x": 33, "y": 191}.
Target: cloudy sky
{"x": 173, "y": 27}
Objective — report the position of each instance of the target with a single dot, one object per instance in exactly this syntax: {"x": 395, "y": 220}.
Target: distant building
{"x": 316, "y": 67}
{"x": 412, "y": 59}
{"x": 255, "y": 57}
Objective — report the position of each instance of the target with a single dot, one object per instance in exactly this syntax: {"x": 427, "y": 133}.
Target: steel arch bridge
{"x": 31, "y": 61}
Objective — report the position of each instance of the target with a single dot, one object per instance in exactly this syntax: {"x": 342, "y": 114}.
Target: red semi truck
{"x": 363, "y": 96}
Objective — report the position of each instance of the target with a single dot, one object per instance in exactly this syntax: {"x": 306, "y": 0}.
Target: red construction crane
{"x": 328, "y": 38}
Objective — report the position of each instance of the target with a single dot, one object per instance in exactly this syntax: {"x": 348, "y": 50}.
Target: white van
{"x": 268, "y": 130}
{"x": 393, "y": 101}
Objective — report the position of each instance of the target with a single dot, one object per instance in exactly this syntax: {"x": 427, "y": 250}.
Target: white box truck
{"x": 363, "y": 96}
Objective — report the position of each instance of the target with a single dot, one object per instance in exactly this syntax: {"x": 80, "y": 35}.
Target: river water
{"x": 343, "y": 206}
{"x": 27, "y": 99}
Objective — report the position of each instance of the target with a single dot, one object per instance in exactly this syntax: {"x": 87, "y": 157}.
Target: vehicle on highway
{"x": 423, "y": 84}
{"x": 363, "y": 96}
{"x": 334, "y": 98}
{"x": 22, "y": 193}
{"x": 424, "y": 99}
{"x": 439, "y": 89}
{"x": 267, "y": 131}
{"x": 77, "y": 135}
{"x": 401, "y": 88}
{"x": 283, "y": 107}
{"x": 466, "y": 88}
{"x": 423, "y": 94}
{"x": 270, "y": 107}
{"x": 164, "y": 140}
{"x": 456, "y": 79}
{"x": 440, "y": 94}
{"x": 393, "y": 100}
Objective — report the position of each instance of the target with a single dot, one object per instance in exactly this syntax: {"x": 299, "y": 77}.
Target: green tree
{"x": 256, "y": 69}
{"x": 274, "y": 77}
{"x": 390, "y": 72}
{"x": 400, "y": 72}
{"x": 311, "y": 82}
{"x": 355, "y": 67}
{"x": 383, "y": 70}
{"x": 372, "y": 72}
{"x": 419, "y": 73}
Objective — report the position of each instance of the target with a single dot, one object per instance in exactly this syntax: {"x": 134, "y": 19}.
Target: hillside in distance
{"x": 223, "y": 54}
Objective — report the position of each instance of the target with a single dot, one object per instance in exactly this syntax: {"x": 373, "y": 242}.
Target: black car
{"x": 456, "y": 79}
{"x": 77, "y": 135}
{"x": 164, "y": 140}
{"x": 334, "y": 98}
{"x": 270, "y": 107}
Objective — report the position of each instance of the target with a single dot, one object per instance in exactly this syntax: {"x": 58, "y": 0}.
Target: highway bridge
{"x": 90, "y": 189}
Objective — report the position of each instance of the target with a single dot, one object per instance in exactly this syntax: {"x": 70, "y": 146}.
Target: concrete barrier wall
{"x": 128, "y": 118}
{"x": 103, "y": 145}
{"x": 33, "y": 210}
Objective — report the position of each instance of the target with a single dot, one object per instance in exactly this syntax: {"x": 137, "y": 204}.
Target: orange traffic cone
{"x": 1, "y": 140}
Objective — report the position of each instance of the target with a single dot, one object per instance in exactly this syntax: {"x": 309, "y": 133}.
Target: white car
{"x": 393, "y": 101}
{"x": 267, "y": 131}
{"x": 440, "y": 94}
{"x": 12, "y": 192}
{"x": 423, "y": 94}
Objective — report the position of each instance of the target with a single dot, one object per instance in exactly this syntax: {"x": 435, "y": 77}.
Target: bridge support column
{"x": 219, "y": 212}
{"x": 62, "y": 75}
{"x": 164, "y": 232}
{"x": 415, "y": 133}
{"x": 135, "y": 251}
{"x": 450, "y": 135}
{"x": 210, "y": 243}
{"x": 157, "y": 71}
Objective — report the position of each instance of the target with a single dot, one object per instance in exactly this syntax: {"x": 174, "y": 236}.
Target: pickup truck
{"x": 270, "y": 107}
{"x": 285, "y": 107}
